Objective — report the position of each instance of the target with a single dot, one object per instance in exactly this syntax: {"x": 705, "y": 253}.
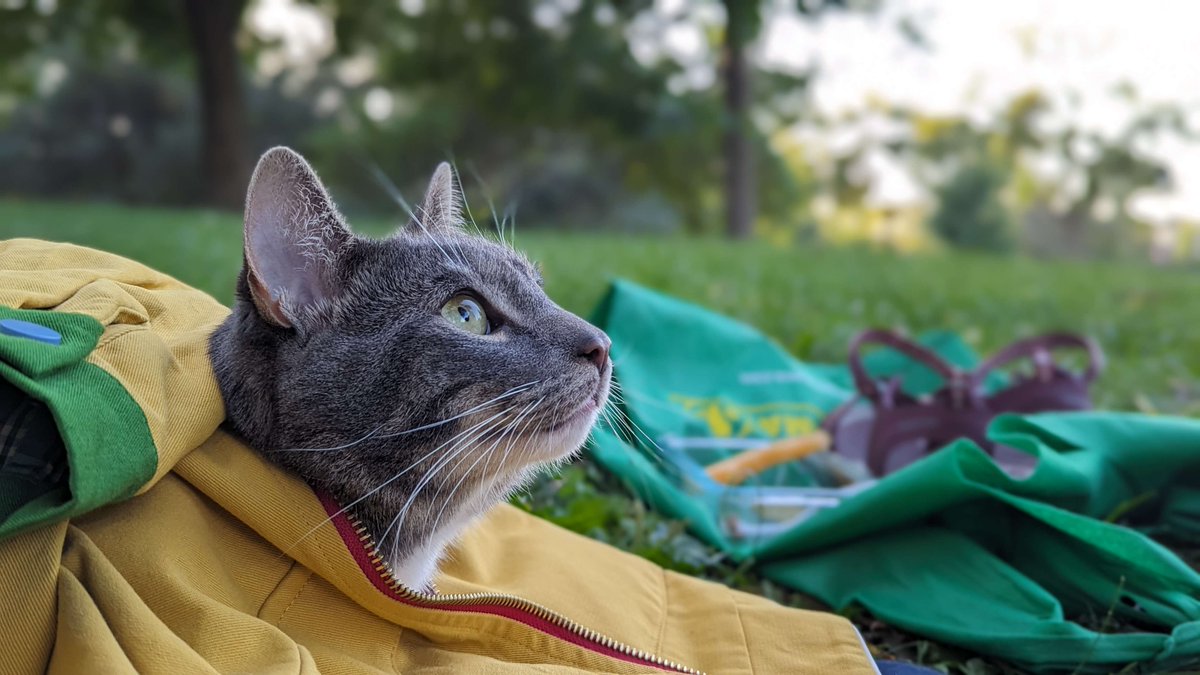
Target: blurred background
{"x": 1049, "y": 129}
{"x": 994, "y": 168}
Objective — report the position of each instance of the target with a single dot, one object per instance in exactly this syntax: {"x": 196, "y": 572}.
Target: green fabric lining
{"x": 110, "y": 452}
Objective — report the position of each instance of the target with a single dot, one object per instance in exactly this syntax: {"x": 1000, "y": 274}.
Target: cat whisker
{"x": 462, "y": 260}
{"x": 510, "y": 211}
{"x": 477, "y": 432}
{"x": 619, "y": 420}
{"x": 527, "y": 450}
{"x": 563, "y": 414}
{"x": 637, "y": 433}
{"x": 487, "y": 194}
{"x": 395, "y": 477}
{"x": 486, "y": 453}
{"x": 398, "y": 197}
{"x": 463, "y": 192}
{"x": 511, "y": 392}
{"x": 456, "y": 450}
{"x": 524, "y": 458}
{"x": 613, "y": 418}
{"x": 508, "y": 448}
{"x": 486, "y": 404}
{"x": 606, "y": 416}
{"x": 483, "y": 438}
{"x": 526, "y": 453}
{"x": 624, "y": 430}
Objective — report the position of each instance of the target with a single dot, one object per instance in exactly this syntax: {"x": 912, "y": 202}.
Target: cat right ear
{"x": 294, "y": 240}
{"x": 441, "y": 210}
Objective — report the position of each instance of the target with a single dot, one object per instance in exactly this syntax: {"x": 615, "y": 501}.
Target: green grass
{"x": 812, "y": 299}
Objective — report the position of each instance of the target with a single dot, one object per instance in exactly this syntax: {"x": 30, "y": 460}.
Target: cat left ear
{"x": 441, "y": 210}
{"x": 295, "y": 240}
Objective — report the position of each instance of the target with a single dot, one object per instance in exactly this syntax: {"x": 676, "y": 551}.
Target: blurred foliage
{"x": 33, "y": 32}
{"x": 563, "y": 121}
{"x": 126, "y": 132}
{"x": 969, "y": 212}
{"x": 559, "y": 118}
{"x": 750, "y": 13}
{"x": 982, "y": 177}
{"x": 122, "y": 133}
{"x": 559, "y": 122}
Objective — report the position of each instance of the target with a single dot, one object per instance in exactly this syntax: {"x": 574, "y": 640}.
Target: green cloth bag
{"x": 951, "y": 547}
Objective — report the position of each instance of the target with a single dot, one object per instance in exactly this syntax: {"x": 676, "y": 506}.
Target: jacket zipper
{"x": 366, "y": 554}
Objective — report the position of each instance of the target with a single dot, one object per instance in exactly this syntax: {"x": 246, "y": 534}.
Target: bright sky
{"x": 983, "y": 53}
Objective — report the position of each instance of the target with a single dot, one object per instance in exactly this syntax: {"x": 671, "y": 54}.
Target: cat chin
{"x": 541, "y": 450}
{"x": 565, "y": 438}
{"x": 561, "y": 442}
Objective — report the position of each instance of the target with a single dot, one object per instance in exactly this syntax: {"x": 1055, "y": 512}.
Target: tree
{"x": 740, "y": 202}
{"x": 970, "y": 214}
{"x": 565, "y": 95}
{"x": 499, "y": 82}
{"x": 978, "y": 171}
{"x": 155, "y": 30}
{"x": 1115, "y": 170}
{"x": 743, "y": 20}
{"x": 213, "y": 25}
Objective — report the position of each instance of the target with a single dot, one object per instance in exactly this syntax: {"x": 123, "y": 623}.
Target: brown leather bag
{"x": 886, "y": 429}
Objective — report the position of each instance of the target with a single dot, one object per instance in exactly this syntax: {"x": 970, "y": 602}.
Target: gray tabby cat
{"x": 418, "y": 379}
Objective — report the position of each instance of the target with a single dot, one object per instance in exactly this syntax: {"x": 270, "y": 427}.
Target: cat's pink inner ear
{"x": 294, "y": 239}
{"x": 269, "y": 308}
{"x": 441, "y": 210}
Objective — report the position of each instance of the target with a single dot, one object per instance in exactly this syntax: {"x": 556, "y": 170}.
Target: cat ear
{"x": 294, "y": 239}
{"x": 441, "y": 210}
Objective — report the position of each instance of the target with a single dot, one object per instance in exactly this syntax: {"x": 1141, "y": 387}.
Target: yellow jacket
{"x": 223, "y": 563}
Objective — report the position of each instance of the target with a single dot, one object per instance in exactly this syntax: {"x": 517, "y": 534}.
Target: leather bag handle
{"x": 863, "y": 381}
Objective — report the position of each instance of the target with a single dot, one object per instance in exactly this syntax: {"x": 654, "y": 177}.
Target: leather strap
{"x": 1038, "y": 349}
{"x": 866, "y": 385}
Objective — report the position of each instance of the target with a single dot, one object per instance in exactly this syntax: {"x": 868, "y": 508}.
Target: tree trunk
{"x": 1078, "y": 217}
{"x": 225, "y": 162}
{"x": 740, "y": 188}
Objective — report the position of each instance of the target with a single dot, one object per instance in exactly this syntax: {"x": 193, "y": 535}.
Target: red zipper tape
{"x": 363, "y": 558}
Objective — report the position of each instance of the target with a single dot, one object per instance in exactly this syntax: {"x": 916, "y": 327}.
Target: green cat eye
{"x": 464, "y": 311}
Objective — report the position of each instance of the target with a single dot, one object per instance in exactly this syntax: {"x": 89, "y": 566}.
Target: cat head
{"x": 419, "y": 379}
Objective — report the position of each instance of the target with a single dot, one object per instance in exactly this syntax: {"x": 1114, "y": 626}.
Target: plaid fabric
{"x": 30, "y": 446}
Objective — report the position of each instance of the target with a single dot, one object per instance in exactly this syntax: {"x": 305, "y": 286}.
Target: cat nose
{"x": 594, "y": 347}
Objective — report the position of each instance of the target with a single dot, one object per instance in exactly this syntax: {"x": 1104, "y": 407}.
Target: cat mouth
{"x": 586, "y": 411}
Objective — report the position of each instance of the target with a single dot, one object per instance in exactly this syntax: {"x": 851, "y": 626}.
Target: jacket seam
{"x": 283, "y": 614}
{"x": 267, "y": 598}
{"x": 742, "y": 629}
{"x": 118, "y": 332}
{"x": 395, "y": 648}
{"x": 666, "y": 604}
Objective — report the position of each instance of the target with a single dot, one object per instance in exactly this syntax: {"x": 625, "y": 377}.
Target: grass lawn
{"x": 811, "y": 299}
